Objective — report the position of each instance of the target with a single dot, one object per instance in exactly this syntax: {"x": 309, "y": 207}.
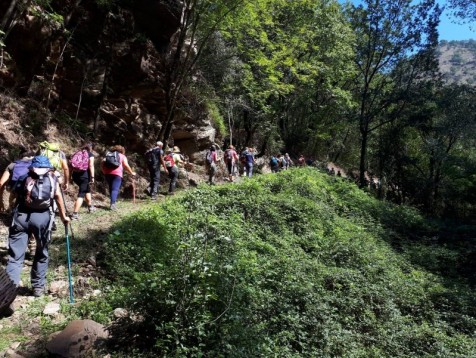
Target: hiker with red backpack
{"x": 231, "y": 157}
{"x": 82, "y": 164}
{"x": 34, "y": 215}
{"x": 113, "y": 166}
{"x": 172, "y": 169}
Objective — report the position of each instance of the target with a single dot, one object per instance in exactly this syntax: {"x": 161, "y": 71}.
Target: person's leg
{"x": 115, "y": 187}
{"x": 17, "y": 244}
{"x": 155, "y": 182}
{"x": 40, "y": 227}
{"x": 249, "y": 170}
{"x": 173, "y": 175}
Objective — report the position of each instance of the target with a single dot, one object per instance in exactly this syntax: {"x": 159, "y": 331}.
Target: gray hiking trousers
{"x": 24, "y": 224}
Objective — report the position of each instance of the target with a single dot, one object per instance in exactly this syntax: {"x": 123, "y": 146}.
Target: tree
{"x": 389, "y": 33}
{"x": 199, "y": 19}
{"x": 464, "y": 10}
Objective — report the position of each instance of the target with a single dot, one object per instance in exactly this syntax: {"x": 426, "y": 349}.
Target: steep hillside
{"x": 290, "y": 264}
{"x": 457, "y": 61}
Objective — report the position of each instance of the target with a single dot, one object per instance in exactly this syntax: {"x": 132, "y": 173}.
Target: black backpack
{"x": 36, "y": 190}
{"x": 113, "y": 160}
{"x": 153, "y": 157}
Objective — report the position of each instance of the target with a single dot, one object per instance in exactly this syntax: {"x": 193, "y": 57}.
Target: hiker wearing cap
{"x": 172, "y": 169}
{"x": 113, "y": 171}
{"x": 230, "y": 157}
{"x": 12, "y": 173}
{"x": 82, "y": 164}
{"x": 34, "y": 215}
{"x": 155, "y": 158}
{"x": 178, "y": 157}
{"x": 211, "y": 162}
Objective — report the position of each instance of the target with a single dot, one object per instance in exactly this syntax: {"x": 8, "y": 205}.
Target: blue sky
{"x": 448, "y": 30}
{"x": 451, "y": 31}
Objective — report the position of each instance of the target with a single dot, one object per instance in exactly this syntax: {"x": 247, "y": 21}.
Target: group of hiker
{"x": 232, "y": 161}
{"x": 37, "y": 181}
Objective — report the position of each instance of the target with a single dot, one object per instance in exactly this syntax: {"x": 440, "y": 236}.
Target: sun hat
{"x": 176, "y": 149}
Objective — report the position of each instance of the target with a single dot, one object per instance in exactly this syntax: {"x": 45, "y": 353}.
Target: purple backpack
{"x": 80, "y": 160}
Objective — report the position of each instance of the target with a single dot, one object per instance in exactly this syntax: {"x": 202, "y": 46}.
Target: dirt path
{"x": 27, "y": 330}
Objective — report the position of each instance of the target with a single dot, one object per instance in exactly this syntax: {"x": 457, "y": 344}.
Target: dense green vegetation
{"x": 294, "y": 264}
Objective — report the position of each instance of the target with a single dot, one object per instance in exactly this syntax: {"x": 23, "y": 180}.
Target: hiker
{"x": 282, "y": 162}
{"x": 82, "y": 164}
{"x": 113, "y": 166}
{"x": 34, "y": 214}
{"x": 288, "y": 160}
{"x": 155, "y": 158}
{"x": 230, "y": 156}
{"x": 249, "y": 161}
{"x": 301, "y": 160}
{"x": 13, "y": 172}
{"x": 274, "y": 164}
{"x": 172, "y": 169}
{"x": 178, "y": 157}
{"x": 57, "y": 159}
{"x": 211, "y": 163}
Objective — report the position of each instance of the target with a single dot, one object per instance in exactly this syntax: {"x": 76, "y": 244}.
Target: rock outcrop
{"x": 100, "y": 70}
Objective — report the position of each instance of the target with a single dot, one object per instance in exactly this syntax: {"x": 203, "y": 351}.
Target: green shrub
{"x": 294, "y": 264}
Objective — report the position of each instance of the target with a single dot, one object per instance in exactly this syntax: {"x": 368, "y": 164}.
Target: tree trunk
{"x": 363, "y": 156}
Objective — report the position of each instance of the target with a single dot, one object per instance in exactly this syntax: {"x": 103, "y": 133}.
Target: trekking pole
{"x": 134, "y": 189}
{"x": 70, "y": 276}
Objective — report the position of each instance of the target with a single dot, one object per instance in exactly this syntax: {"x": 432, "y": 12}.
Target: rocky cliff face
{"x": 102, "y": 71}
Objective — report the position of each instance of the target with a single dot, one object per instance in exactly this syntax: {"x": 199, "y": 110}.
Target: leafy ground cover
{"x": 293, "y": 264}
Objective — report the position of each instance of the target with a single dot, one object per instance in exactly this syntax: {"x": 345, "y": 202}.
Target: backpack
{"x": 169, "y": 161}
{"x": 20, "y": 169}
{"x": 153, "y": 157}
{"x": 36, "y": 189}
{"x": 52, "y": 152}
{"x": 273, "y": 162}
{"x": 229, "y": 155}
{"x": 243, "y": 156}
{"x": 113, "y": 160}
{"x": 80, "y": 160}
{"x": 209, "y": 157}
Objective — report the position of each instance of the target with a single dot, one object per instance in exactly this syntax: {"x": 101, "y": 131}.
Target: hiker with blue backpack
{"x": 34, "y": 215}
{"x": 82, "y": 165}
{"x": 113, "y": 166}
{"x": 57, "y": 159}
{"x": 274, "y": 164}
{"x": 249, "y": 161}
{"x": 13, "y": 172}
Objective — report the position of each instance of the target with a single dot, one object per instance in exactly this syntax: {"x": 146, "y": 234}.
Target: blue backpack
{"x": 20, "y": 169}
{"x": 273, "y": 162}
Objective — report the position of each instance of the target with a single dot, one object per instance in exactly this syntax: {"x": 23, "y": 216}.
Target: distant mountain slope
{"x": 457, "y": 61}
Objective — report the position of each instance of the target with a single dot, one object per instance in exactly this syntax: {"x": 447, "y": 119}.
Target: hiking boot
{"x": 153, "y": 197}
{"x": 92, "y": 209}
{"x": 74, "y": 216}
{"x": 53, "y": 226}
{"x": 38, "y": 291}
{"x": 171, "y": 193}
{"x": 113, "y": 207}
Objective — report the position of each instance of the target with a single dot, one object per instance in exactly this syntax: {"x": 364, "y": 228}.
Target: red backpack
{"x": 169, "y": 160}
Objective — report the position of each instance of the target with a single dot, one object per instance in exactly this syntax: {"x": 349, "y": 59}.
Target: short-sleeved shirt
{"x": 116, "y": 171}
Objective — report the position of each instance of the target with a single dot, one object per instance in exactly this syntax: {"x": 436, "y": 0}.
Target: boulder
{"x": 78, "y": 339}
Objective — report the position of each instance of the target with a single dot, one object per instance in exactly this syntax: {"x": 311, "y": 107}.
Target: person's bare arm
{"x": 91, "y": 169}
{"x": 61, "y": 207}
{"x": 5, "y": 177}
{"x": 126, "y": 166}
{"x": 163, "y": 163}
{"x": 64, "y": 165}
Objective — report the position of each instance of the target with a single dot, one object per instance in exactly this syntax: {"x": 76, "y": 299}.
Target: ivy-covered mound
{"x": 290, "y": 264}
